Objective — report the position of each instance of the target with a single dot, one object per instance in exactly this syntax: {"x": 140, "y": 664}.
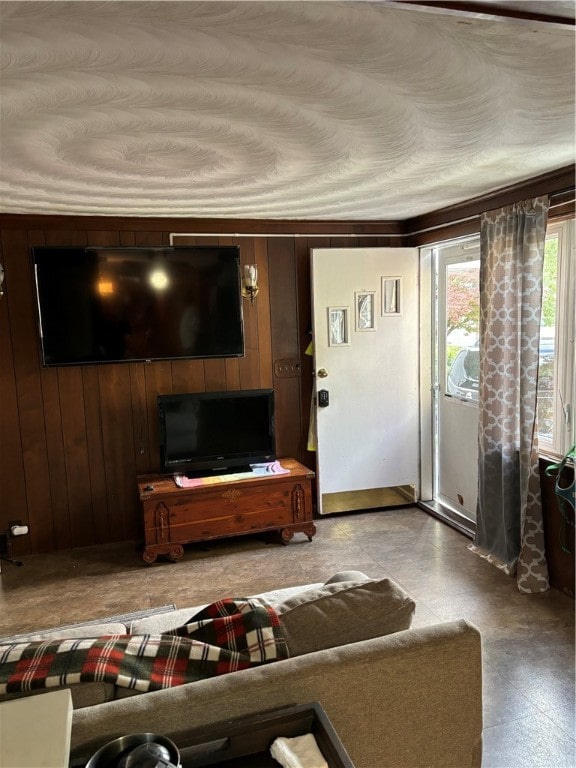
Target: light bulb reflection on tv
{"x": 158, "y": 280}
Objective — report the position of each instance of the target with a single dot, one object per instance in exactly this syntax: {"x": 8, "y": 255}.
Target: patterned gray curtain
{"x": 509, "y": 516}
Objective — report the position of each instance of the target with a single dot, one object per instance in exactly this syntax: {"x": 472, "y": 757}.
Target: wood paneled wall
{"x": 73, "y": 439}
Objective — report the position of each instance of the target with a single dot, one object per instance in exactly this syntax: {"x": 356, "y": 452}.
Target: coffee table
{"x": 245, "y": 742}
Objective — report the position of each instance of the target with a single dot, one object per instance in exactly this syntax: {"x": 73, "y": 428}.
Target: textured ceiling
{"x": 274, "y": 110}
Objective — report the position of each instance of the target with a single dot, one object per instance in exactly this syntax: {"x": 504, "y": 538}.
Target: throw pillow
{"x": 343, "y": 612}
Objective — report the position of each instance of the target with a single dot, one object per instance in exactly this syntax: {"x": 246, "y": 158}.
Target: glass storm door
{"x": 456, "y": 406}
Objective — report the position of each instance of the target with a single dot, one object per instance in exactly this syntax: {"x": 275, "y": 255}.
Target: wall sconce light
{"x": 1, "y": 281}
{"x": 250, "y": 282}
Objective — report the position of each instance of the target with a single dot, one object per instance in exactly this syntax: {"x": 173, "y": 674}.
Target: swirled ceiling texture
{"x": 274, "y": 110}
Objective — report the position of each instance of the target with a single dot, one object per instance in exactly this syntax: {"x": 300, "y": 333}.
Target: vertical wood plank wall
{"x": 73, "y": 439}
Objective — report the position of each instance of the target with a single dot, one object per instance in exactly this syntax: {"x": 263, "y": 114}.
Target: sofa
{"x": 398, "y": 697}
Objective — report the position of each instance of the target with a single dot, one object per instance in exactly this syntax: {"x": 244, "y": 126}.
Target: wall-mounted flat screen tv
{"x": 104, "y": 305}
{"x": 214, "y": 432}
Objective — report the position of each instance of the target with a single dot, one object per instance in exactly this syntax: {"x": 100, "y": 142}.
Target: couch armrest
{"x": 406, "y": 700}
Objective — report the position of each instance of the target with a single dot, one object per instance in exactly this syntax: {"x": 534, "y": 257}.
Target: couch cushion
{"x": 81, "y": 630}
{"x": 356, "y": 576}
{"x": 163, "y": 622}
{"x": 343, "y": 612}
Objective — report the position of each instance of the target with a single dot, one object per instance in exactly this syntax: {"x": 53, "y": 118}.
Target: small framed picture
{"x": 365, "y": 310}
{"x": 391, "y": 296}
{"x": 338, "y": 326}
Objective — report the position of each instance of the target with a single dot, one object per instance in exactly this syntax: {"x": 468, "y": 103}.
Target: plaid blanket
{"x": 224, "y": 637}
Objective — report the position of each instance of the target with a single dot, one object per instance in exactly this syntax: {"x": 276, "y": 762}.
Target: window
{"x": 557, "y": 380}
{"x": 556, "y": 374}
{"x": 462, "y": 323}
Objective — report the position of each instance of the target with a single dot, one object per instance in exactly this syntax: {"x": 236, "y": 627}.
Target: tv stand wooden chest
{"x": 222, "y": 507}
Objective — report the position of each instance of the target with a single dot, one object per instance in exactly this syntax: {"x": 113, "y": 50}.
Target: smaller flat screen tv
{"x": 208, "y": 433}
{"x": 108, "y": 304}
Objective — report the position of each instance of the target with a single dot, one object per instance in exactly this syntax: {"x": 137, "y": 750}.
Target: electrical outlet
{"x": 18, "y": 528}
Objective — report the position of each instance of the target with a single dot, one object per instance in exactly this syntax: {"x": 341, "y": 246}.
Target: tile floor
{"x": 528, "y": 640}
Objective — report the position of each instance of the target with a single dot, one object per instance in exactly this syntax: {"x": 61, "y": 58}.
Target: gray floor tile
{"x": 528, "y": 742}
{"x": 528, "y": 640}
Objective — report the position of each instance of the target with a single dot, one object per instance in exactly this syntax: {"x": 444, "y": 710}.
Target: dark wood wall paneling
{"x": 73, "y": 439}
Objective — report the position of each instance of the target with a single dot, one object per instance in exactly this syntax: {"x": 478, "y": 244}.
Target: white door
{"x": 456, "y": 439}
{"x": 366, "y": 353}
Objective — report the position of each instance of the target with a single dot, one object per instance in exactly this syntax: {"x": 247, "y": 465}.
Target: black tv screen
{"x": 211, "y": 432}
{"x": 101, "y": 304}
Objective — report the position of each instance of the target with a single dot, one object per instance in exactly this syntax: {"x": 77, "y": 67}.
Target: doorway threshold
{"x": 450, "y": 517}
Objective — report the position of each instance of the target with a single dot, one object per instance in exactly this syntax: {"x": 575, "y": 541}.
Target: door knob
{"x": 322, "y": 373}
